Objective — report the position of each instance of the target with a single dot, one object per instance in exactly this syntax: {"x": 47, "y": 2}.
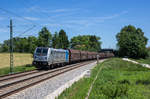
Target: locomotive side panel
{"x": 59, "y": 56}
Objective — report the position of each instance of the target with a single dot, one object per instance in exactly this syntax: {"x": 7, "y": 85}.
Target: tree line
{"x": 131, "y": 42}
{"x": 57, "y": 40}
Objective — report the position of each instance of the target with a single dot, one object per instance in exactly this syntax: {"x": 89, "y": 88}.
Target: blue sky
{"x": 103, "y": 18}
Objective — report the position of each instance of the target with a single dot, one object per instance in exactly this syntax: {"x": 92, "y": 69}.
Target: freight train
{"x": 50, "y": 57}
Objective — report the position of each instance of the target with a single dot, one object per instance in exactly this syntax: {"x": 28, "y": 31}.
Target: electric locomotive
{"x": 48, "y": 57}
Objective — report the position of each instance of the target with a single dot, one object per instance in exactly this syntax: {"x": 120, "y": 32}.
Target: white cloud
{"x": 33, "y": 8}
{"x": 82, "y": 22}
{"x": 93, "y": 20}
{"x": 39, "y": 9}
{"x": 72, "y": 21}
{"x": 52, "y": 25}
{"x": 31, "y": 18}
{"x": 3, "y": 30}
{"x": 60, "y": 10}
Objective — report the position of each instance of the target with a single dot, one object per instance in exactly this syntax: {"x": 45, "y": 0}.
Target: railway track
{"x": 16, "y": 75}
{"x": 15, "y": 83}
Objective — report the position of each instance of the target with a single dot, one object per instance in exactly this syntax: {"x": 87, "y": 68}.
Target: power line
{"x": 34, "y": 25}
{"x": 31, "y": 35}
{"x": 25, "y": 4}
{"x": 28, "y": 5}
{"x": 7, "y": 11}
{"x": 27, "y": 30}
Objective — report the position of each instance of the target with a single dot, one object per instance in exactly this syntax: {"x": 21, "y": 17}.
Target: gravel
{"x": 44, "y": 89}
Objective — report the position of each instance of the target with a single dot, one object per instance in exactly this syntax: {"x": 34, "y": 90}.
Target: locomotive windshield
{"x": 41, "y": 51}
{"x": 45, "y": 51}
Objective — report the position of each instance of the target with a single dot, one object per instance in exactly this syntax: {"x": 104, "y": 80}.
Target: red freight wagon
{"x": 84, "y": 55}
{"x": 74, "y": 55}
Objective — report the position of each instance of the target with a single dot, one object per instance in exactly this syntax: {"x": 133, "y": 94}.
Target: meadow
{"x": 22, "y": 62}
{"x": 118, "y": 79}
{"x": 20, "y": 59}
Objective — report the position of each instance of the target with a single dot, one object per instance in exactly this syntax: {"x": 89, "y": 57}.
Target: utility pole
{"x": 11, "y": 47}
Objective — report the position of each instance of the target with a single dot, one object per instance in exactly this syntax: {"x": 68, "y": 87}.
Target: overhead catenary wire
{"x": 29, "y": 4}
{"x": 7, "y": 11}
{"x": 39, "y": 13}
{"x": 27, "y": 30}
{"x": 34, "y": 24}
{"x": 21, "y": 17}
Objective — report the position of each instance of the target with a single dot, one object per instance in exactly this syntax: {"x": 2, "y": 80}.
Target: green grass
{"x": 117, "y": 80}
{"x": 21, "y": 62}
{"x": 122, "y": 80}
{"x": 79, "y": 89}
{"x": 6, "y": 70}
{"x": 143, "y": 61}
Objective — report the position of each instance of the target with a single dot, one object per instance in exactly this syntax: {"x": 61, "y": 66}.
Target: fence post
{"x": 97, "y": 59}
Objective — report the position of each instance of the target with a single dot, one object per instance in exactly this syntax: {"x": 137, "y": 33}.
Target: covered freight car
{"x": 74, "y": 55}
{"x": 90, "y": 55}
{"x": 84, "y": 55}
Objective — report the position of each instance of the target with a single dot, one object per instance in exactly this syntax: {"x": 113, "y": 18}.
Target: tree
{"x": 148, "y": 51}
{"x": 21, "y": 45}
{"x": 44, "y": 38}
{"x": 148, "y": 48}
{"x": 5, "y": 46}
{"x": 28, "y": 44}
{"x": 25, "y": 44}
{"x": 0, "y": 47}
{"x": 132, "y": 42}
{"x": 95, "y": 44}
{"x": 32, "y": 44}
{"x": 86, "y": 42}
{"x": 63, "y": 40}
{"x": 55, "y": 40}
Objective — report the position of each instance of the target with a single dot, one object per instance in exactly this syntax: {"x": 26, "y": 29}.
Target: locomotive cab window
{"x": 45, "y": 51}
{"x": 42, "y": 51}
{"x": 39, "y": 50}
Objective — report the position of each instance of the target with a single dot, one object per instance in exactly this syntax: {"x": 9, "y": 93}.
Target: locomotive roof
{"x": 62, "y": 50}
{"x": 42, "y": 47}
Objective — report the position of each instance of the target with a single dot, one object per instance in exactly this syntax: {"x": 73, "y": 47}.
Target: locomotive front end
{"x": 41, "y": 57}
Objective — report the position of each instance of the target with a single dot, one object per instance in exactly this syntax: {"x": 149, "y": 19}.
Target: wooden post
{"x": 97, "y": 59}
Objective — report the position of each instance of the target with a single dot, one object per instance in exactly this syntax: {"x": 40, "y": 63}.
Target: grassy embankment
{"x": 117, "y": 80}
{"x": 143, "y": 61}
{"x": 21, "y": 62}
